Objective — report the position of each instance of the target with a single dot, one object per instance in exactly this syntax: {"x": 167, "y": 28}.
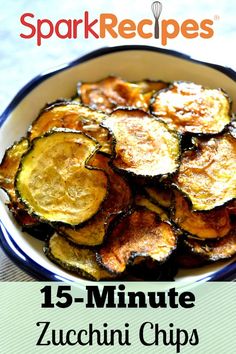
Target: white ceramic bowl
{"x": 129, "y": 62}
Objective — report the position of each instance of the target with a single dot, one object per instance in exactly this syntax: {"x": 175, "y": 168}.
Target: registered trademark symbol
{"x": 216, "y": 17}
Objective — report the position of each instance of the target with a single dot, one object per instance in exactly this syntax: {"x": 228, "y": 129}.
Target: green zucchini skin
{"x": 144, "y": 176}
{"x": 86, "y": 166}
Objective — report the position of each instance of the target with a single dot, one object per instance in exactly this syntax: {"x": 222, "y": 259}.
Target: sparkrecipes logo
{"x": 107, "y": 25}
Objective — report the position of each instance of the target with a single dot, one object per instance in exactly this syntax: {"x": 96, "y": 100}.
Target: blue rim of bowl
{"x": 7, "y": 241}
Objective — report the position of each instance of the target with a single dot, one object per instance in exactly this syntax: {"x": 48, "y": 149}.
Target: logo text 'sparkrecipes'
{"x": 107, "y": 25}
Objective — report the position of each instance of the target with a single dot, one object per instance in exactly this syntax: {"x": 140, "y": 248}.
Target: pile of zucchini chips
{"x": 128, "y": 180}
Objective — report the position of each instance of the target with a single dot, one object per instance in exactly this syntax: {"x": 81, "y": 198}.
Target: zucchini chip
{"x": 118, "y": 199}
{"x": 140, "y": 232}
{"x": 72, "y": 116}
{"x": 160, "y": 195}
{"x": 207, "y": 174}
{"x": 28, "y": 223}
{"x": 188, "y": 107}
{"x": 54, "y": 183}
{"x": 213, "y": 250}
{"x": 144, "y": 146}
{"x": 113, "y": 92}
{"x": 21, "y": 215}
{"x": 142, "y": 201}
{"x": 8, "y": 170}
{"x": 210, "y": 224}
{"x": 9, "y": 166}
{"x": 110, "y": 93}
{"x": 72, "y": 258}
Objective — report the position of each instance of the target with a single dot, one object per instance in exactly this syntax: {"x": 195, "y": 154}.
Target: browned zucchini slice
{"x": 91, "y": 234}
{"x": 188, "y": 107}
{"x": 72, "y": 258}
{"x": 28, "y": 223}
{"x": 144, "y": 146}
{"x": 120, "y": 194}
{"x": 142, "y": 201}
{"x": 118, "y": 199}
{"x": 9, "y": 166}
{"x": 112, "y": 92}
{"x": 8, "y": 170}
{"x": 207, "y": 174}
{"x": 160, "y": 195}
{"x": 54, "y": 183}
{"x": 210, "y": 224}
{"x": 139, "y": 232}
{"x": 21, "y": 215}
{"x": 72, "y": 116}
{"x": 213, "y": 250}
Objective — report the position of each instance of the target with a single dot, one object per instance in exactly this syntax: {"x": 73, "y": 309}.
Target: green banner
{"x": 117, "y": 318}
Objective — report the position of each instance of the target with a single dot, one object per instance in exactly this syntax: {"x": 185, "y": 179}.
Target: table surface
{"x": 21, "y": 60}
